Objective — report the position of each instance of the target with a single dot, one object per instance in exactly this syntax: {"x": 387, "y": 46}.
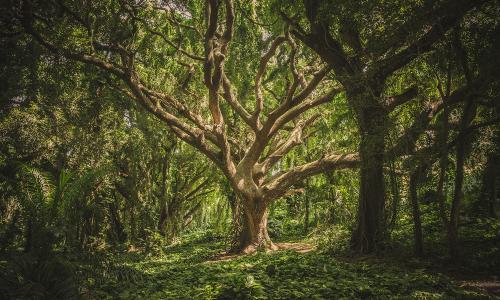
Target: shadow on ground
{"x": 195, "y": 271}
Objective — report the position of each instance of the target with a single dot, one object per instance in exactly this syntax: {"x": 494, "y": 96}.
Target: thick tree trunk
{"x": 253, "y": 235}
{"x": 369, "y": 234}
{"x": 417, "y": 224}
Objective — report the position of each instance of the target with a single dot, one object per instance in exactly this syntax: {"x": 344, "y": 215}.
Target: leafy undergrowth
{"x": 189, "y": 271}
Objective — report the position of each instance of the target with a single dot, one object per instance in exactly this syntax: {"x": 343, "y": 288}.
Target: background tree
{"x": 365, "y": 59}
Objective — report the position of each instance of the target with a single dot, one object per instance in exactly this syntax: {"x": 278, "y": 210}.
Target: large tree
{"x": 139, "y": 43}
{"x": 366, "y": 45}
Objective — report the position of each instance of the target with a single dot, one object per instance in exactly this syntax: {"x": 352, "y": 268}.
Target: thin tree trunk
{"x": 163, "y": 191}
{"x": 468, "y": 115}
{"x": 117, "y": 224}
{"x": 306, "y": 214}
{"x": 442, "y": 139}
{"x": 189, "y": 216}
{"x": 162, "y": 220}
{"x": 396, "y": 197}
{"x": 417, "y": 224}
{"x": 455, "y": 205}
{"x": 10, "y": 232}
{"x": 28, "y": 245}
{"x": 443, "y": 165}
{"x": 133, "y": 226}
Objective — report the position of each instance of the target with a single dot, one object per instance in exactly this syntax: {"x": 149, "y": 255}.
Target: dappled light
{"x": 264, "y": 149}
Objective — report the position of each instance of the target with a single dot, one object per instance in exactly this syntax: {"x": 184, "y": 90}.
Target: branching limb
{"x": 295, "y": 138}
{"x": 234, "y": 103}
{"x": 395, "y": 101}
{"x": 168, "y": 41}
{"x": 277, "y": 185}
{"x": 424, "y": 44}
{"x": 259, "y": 104}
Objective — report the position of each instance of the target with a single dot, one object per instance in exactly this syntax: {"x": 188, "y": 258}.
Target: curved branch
{"x": 277, "y": 185}
{"x": 259, "y": 104}
{"x": 395, "y": 101}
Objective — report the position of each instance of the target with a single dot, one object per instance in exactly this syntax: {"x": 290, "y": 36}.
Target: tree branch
{"x": 278, "y": 184}
{"x": 259, "y": 104}
{"x": 395, "y": 101}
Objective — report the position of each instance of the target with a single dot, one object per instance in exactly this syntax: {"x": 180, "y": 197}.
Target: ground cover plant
{"x": 195, "y": 269}
{"x": 264, "y": 149}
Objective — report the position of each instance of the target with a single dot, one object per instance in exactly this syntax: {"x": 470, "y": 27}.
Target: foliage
{"x": 28, "y": 277}
{"x": 191, "y": 270}
{"x": 331, "y": 239}
{"x": 111, "y": 158}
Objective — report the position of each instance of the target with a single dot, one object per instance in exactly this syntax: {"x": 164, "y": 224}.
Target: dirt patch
{"x": 490, "y": 286}
{"x": 298, "y": 247}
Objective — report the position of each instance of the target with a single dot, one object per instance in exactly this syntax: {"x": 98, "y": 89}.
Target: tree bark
{"x": 306, "y": 214}
{"x": 10, "y": 232}
{"x": 455, "y": 205}
{"x": 489, "y": 188}
{"x": 162, "y": 220}
{"x": 443, "y": 165}
{"x": 116, "y": 223}
{"x": 417, "y": 224}
{"x": 396, "y": 197}
{"x": 470, "y": 111}
{"x": 254, "y": 235}
{"x": 369, "y": 234}
{"x": 28, "y": 244}
{"x": 237, "y": 221}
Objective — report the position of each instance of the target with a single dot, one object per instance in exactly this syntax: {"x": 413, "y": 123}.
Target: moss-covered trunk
{"x": 370, "y": 230}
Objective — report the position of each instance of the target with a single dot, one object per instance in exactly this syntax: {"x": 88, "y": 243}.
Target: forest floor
{"x": 195, "y": 270}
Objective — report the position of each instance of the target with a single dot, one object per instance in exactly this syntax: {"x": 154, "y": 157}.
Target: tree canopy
{"x": 136, "y": 123}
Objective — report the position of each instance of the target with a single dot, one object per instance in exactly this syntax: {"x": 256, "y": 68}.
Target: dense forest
{"x": 250, "y": 149}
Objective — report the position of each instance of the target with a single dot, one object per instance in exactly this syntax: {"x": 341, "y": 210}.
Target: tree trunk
{"x": 28, "y": 244}
{"x": 455, "y": 205}
{"x": 116, "y": 223}
{"x": 369, "y": 234}
{"x": 489, "y": 193}
{"x": 469, "y": 114}
{"x": 10, "y": 232}
{"x": 253, "y": 235}
{"x": 443, "y": 165}
{"x": 133, "y": 226}
{"x": 162, "y": 220}
{"x": 237, "y": 219}
{"x": 306, "y": 214}
{"x": 417, "y": 224}
{"x": 396, "y": 197}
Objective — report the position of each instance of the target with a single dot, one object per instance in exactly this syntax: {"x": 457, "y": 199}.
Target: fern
{"x": 37, "y": 186}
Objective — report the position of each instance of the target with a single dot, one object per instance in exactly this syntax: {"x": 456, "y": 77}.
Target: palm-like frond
{"x": 36, "y": 187}
{"x": 77, "y": 189}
